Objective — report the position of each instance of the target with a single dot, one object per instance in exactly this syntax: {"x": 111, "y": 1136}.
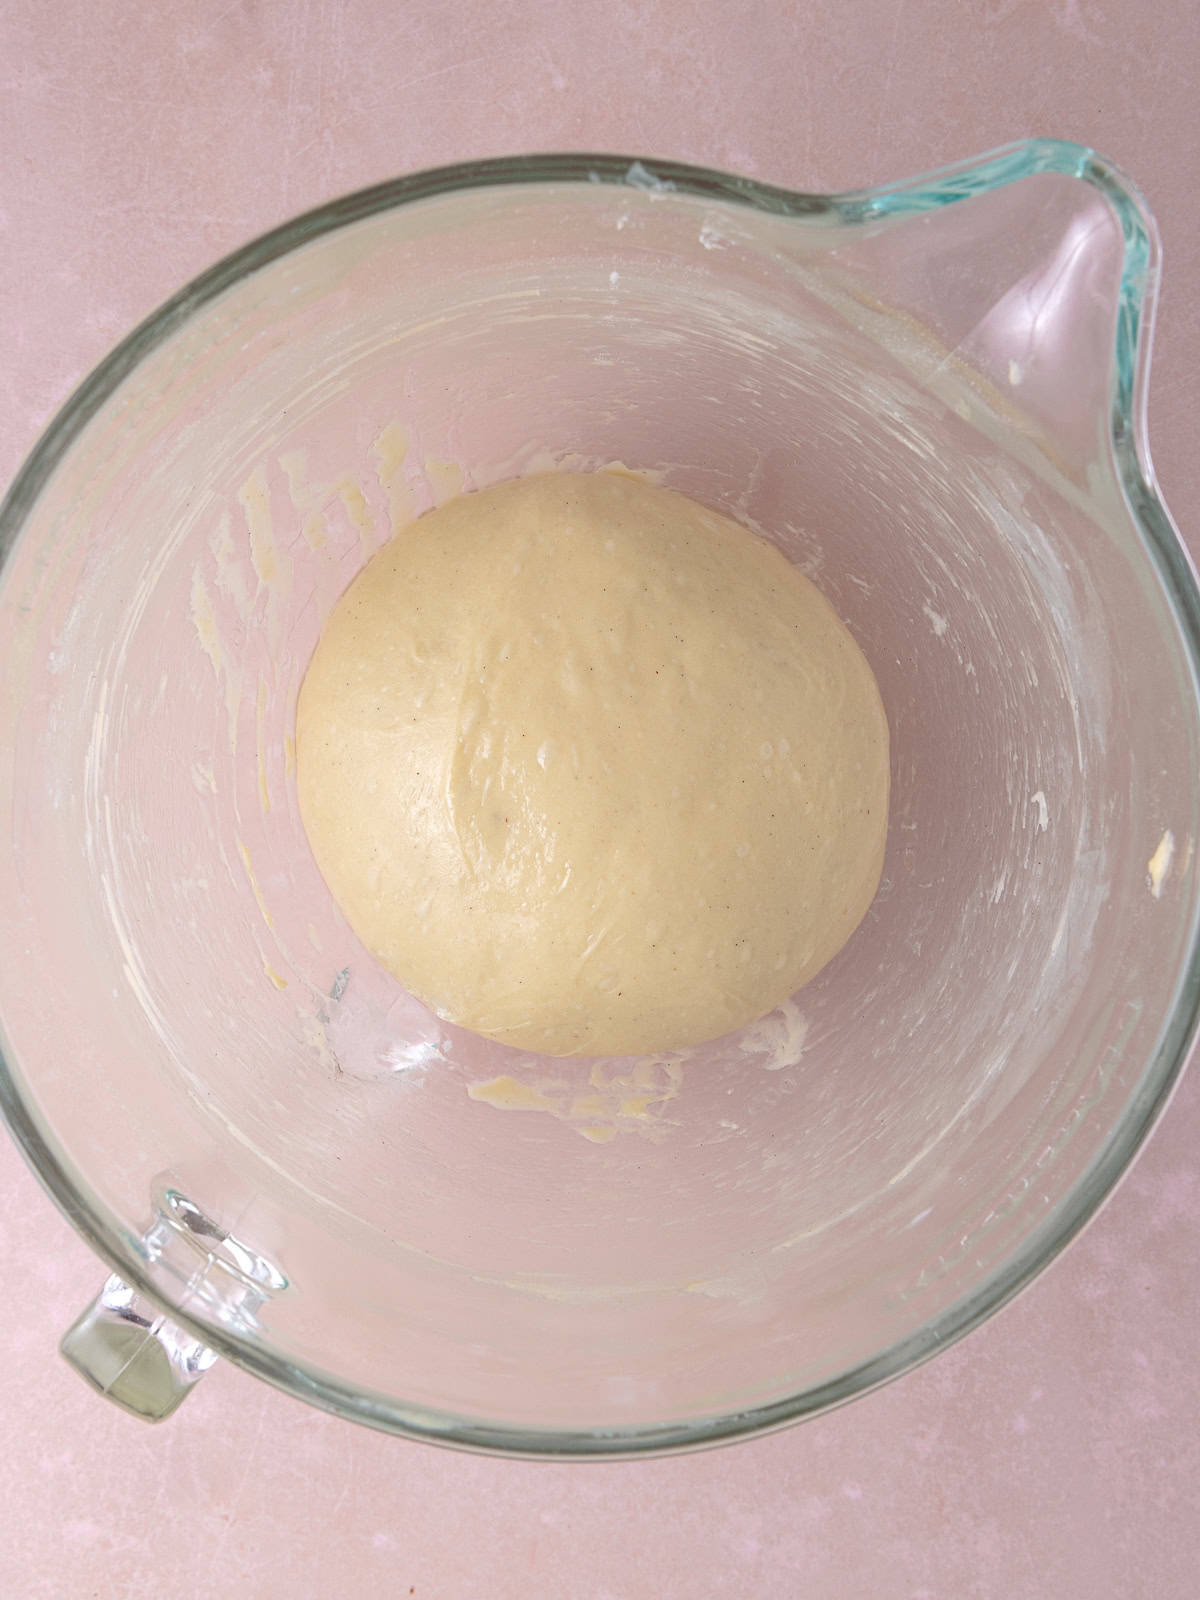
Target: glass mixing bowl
{"x": 931, "y": 396}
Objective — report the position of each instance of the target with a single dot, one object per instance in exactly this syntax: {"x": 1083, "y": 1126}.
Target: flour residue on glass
{"x": 621, "y": 1097}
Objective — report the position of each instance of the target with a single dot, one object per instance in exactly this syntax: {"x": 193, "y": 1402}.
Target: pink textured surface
{"x": 1054, "y": 1453}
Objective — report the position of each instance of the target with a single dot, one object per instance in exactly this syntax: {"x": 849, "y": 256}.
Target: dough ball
{"x": 591, "y": 769}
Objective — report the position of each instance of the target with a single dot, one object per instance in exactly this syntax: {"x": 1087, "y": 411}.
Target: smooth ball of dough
{"x": 592, "y": 769}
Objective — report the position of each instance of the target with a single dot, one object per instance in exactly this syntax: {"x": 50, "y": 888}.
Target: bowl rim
{"x": 1129, "y": 443}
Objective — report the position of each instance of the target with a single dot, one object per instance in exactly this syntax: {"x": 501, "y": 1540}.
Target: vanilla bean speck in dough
{"x": 592, "y": 769}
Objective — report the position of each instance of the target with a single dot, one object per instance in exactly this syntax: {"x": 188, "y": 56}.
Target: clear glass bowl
{"x": 932, "y": 397}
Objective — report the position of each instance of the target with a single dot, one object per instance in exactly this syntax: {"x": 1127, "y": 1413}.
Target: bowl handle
{"x": 133, "y": 1354}
{"x": 143, "y": 1357}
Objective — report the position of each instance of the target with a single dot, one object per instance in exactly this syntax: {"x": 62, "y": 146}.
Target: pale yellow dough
{"x": 592, "y": 769}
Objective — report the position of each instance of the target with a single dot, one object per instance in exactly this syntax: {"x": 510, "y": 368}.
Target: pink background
{"x": 1056, "y": 1452}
